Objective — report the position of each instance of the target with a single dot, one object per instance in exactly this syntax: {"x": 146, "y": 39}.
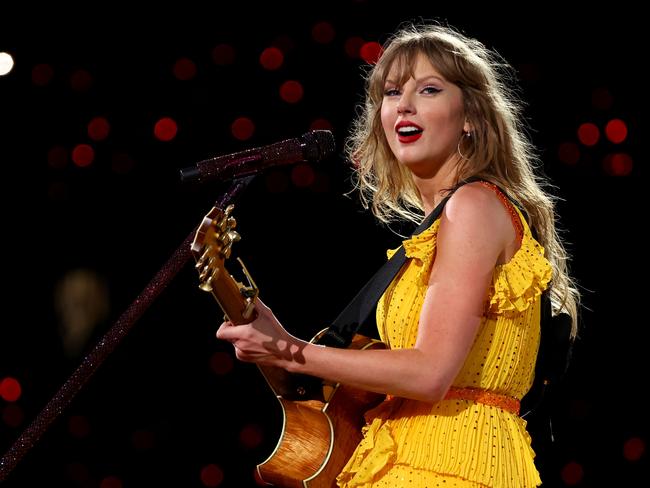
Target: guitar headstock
{"x": 212, "y": 246}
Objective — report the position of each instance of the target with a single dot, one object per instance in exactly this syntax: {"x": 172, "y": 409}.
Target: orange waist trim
{"x": 485, "y": 397}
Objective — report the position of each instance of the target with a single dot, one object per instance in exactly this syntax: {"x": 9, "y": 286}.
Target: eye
{"x": 431, "y": 90}
{"x": 391, "y": 92}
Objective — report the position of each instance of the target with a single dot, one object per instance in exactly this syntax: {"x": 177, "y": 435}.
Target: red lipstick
{"x": 408, "y": 132}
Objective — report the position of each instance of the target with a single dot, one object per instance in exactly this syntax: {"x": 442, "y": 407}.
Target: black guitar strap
{"x": 358, "y": 316}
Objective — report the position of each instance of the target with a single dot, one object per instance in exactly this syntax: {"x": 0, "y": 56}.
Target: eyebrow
{"x": 420, "y": 80}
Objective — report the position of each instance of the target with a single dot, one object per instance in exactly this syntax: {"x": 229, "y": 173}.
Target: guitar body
{"x": 322, "y": 421}
{"x": 319, "y": 435}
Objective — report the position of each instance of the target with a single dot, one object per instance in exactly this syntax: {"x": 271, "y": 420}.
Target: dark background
{"x": 161, "y": 409}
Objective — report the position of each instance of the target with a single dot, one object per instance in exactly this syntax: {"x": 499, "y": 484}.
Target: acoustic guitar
{"x": 322, "y": 420}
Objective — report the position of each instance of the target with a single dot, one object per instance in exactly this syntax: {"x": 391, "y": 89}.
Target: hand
{"x": 263, "y": 341}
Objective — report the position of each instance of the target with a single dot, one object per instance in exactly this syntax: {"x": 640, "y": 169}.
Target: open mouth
{"x": 409, "y": 133}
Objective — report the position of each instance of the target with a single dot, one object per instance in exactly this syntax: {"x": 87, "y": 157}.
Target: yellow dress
{"x": 458, "y": 442}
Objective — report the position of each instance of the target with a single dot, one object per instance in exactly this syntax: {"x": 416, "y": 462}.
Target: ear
{"x": 467, "y": 127}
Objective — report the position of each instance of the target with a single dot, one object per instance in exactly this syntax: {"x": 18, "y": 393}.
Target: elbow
{"x": 434, "y": 391}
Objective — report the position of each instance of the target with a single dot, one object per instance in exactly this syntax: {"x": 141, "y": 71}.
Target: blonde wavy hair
{"x": 498, "y": 150}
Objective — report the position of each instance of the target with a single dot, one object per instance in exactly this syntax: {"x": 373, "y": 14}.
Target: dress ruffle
{"x": 519, "y": 282}
{"x": 375, "y": 453}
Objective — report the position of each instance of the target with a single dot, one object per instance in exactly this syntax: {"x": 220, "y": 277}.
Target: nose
{"x": 405, "y": 105}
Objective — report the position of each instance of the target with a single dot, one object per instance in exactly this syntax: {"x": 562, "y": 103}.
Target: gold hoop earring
{"x": 465, "y": 134}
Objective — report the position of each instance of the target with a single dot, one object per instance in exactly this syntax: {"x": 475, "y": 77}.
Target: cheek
{"x": 388, "y": 118}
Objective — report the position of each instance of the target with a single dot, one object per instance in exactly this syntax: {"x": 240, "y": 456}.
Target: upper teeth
{"x": 408, "y": 129}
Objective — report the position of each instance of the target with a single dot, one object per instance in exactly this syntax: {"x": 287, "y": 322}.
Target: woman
{"x": 462, "y": 318}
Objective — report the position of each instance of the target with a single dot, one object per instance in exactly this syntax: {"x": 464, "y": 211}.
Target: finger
{"x": 226, "y": 332}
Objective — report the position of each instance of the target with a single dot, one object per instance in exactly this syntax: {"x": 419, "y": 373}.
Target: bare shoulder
{"x": 475, "y": 213}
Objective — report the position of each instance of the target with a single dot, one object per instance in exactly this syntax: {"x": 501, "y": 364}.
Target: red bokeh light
{"x": 111, "y": 482}
{"x": 211, "y": 475}
{"x": 616, "y": 131}
{"x": 42, "y": 74}
{"x": 588, "y": 134}
{"x": 320, "y": 124}
{"x": 81, "y": 80}
{"x": 370, "y": 52}
{"x": 10, "y": 389}
{"x": 569, "y": 153}
{"x": 618, "y": 164}
{"x": 251, "y": 436}
{"x": 98, "y": 129}
{"x": 284, "y": 43}
{"x": 353, "y": 45}
{"x": 323, "y": 32}
{"x": 242, "y": 128}
{"x": 77, "y": 472}
{"x": 184, "y": 69}
{"x": 223, "y": 54}
{"x": 572, "y": 473}
{"x": 83, "y": 155}
{"x": 271, "y": 58}
{"x": 291, "y": 91}
{"x": 165, "y": 129}
{"x": 633, "y": 449}
{"x": 302, "y": 175}
{"x": 221, "y": 363}
{"x": 322, "y": 183}
{"x": 277, "y": 182}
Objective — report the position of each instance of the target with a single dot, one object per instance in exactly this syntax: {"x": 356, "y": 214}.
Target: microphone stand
{"x": 107, "y": 344}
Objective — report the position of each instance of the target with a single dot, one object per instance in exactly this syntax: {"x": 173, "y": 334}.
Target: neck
{"x": 432, "y": 186}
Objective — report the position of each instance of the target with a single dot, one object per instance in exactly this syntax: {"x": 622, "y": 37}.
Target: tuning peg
{"x": 206, "y": 285}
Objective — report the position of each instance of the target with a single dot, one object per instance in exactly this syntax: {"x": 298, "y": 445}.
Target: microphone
{"x": 313, "y": 146}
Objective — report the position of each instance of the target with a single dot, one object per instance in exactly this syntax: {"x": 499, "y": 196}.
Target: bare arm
{"x": 474, "y": 230}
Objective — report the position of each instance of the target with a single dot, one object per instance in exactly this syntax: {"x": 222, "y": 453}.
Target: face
{"x": 423, "y": 118}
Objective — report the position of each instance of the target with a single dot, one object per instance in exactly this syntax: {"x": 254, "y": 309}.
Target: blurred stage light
{"x": 633, "y": 449}
{"x": 57, "y": 157}
{"x": 83, "y": 155}
{"x": 165, "y": 129}
{"x": 42, "y": 74}
{"x": 223, "y": 54}
{"x": 271, "y": 58}
{"x": 98, "y": 129}
{"x": 81, "y": 80}
{"x": 616, "y": 131}
{"x": 370, "y": 52}
{"x": 242, "y": 128}
{"x": 10, "y": 389}
{"x": 353, "y": 45}
{"x": 6, "y": 63}
{"x": 323, "y": 32}
{"x": 572, "y": 473}
{"x": 221, "y": 363}
{"x": 184, "y": 69}
{"x": 618, "y": 164}
{"x": 291, "y": 91}
{"x": 251, "y": 436}
{"x": 569, "y": 153}
{"x": 211, "y": 475}
{"x": 588, "y": 134}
